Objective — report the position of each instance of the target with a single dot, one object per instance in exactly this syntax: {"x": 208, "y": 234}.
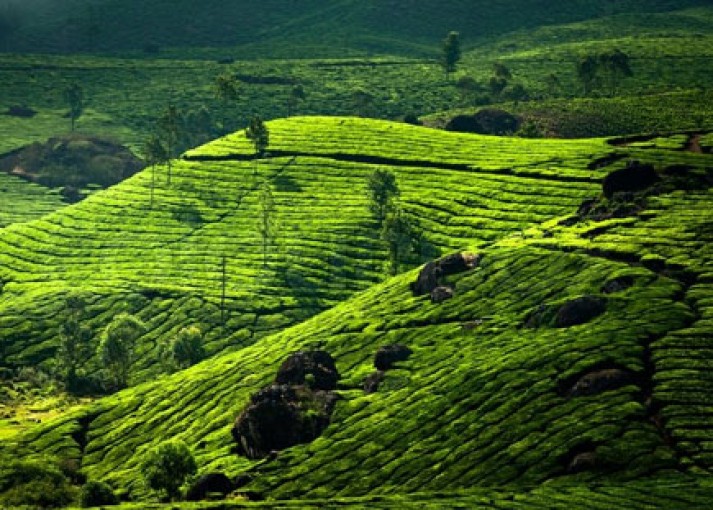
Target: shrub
{"x": 97, "y": 494}
{"x": 33, "y": 482}
{"x": 167, "y": 466}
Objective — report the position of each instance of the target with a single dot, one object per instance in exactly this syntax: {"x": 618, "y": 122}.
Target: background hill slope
{"x": 406, "y": 27}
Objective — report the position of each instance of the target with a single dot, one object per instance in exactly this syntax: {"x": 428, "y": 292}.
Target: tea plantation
{"x": 570, "y": 367}
{"x": 162, "y": 258}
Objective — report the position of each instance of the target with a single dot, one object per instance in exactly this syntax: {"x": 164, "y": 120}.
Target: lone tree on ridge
{"x": 74, "y": 97}
{"x": 451, "y": 53}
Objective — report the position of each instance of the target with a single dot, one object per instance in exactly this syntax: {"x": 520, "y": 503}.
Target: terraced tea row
{"x": 23, "y": 201}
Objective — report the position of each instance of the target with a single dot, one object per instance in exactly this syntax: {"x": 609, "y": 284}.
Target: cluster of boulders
{"x": 72, "y": 163}
{"x": 625, "y": 190}
{"x": 430, "y": 280}
{"x": 295, "y": 409}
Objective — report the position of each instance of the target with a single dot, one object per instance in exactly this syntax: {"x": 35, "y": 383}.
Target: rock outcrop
{"x": 294, "y": 410}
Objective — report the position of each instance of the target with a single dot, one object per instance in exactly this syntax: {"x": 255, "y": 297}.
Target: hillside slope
{"x": 406, "y": 27}
{"x": 498, "y": 391}
{"x": 162, "y": 258}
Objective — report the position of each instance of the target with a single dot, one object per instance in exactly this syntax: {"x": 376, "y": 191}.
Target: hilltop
{"x": 570, "y": 363}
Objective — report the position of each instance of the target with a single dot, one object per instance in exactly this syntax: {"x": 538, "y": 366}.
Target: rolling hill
{"x": 571, "y": 365}
{"x": 162, "y": 258}
{"x": 410, "y": 27}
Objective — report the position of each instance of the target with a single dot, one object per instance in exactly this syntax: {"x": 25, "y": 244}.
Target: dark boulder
{"x": 387, "y": 355}
{"x": 618, "y": 284}
{"x": 316, "y": 368}
{"x": 209, "y": 484}
{"x": 20, "y": 111}
{"x": 281, "y": 416}
{"x": 441, "y": 293}
{"x": 429, "y": 277}
{"x": 600, "y": 381}
{"x": 634, "y": 177}
{"x": 579, "y": 311}
{"x": 372, "y": 381}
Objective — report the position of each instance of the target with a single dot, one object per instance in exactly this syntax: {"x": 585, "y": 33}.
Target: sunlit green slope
{"x": 488, "y": 397}
{"x": 163, "y": 261}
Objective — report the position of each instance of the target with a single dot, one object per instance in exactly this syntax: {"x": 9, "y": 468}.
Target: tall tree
{"x": 297, "y": 95}
{"x": 74, "y": 97}
{"x": 451, "y": 53}
{"x": 616, "y": 65}
{"x": 116, "y": 348}
{"x": 169, "y": 132}
{"x": 363, "y": 101}
{"x": 400, "y": 239}
{"x": 266, "y": 222}
{"x": 587, "y": 70}
{"x": 382, "y": 190}
{"x": 227, "y": 89}
{"x": 154, "y": 153}
{"x": 258, "y": 133}
{"x": 74, "y": 340}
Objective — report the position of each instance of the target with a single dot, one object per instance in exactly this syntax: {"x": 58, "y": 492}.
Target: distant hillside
{"x": 263, "y": 27}
{"x": 573, "y": 361}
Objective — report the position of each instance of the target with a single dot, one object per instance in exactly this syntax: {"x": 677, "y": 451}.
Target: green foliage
{"x": 297, "y": 95}
{"x": 451, "y": 53}
{"x": 166, "y": 467}
{"x": 363, "y": 101}
{"x": 614, "y": 64}
{"x": 400, "y": 239}
{"x": 185, "y": 349}
{"x": 227, "y": 89}
{"x": 35, "y": 482}
{"x": 74, "y": 97}
{"x": 382, "y": 190}
{"x": 95, "y": 493}
{"x": 116, "y": 347}
{"x": 74, "y": 349}
{"x": 169, "y": 131}
{"x": 258, "y": 134}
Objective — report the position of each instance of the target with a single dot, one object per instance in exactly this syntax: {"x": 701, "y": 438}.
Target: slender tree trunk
{"x": 222, "y": 293}
{"x": 153, "y": 184}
